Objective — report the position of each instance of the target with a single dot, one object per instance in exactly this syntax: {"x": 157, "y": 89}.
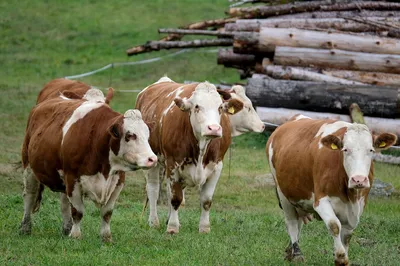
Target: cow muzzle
{"x": 359, "y": 181}
{"x": 213, "y": 131}
{"x": 146, "y": 162}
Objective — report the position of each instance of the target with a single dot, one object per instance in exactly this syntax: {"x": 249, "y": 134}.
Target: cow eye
{"x": 130, "y": 136}
{"x": 371, "y": 150}
{"x": 197, "y": 106}
{"x": 345, "y": 150}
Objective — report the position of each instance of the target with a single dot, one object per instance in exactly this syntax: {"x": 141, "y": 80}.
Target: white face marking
{"x": 327, "y": 129}
{"x": 163, "y": 79}
{"x": 64, "y": 98}
{"x": 357, "y": 150}
{"x": 205, "y": 102}
{"x": 79, "y": 113}
{"x": 94, "y": 95}
{"x": 134, "y": 145}
{"x": 246, "y": 120}
{"x": 302, "y": 117}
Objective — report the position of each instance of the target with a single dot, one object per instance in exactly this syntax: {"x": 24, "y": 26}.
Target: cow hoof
{"x": 154, "y": 224}
{"x": 297, "y": 258}
{"x": 66, "y": 229}
{"x": 25, "y": 229}
{"x": 344, "y": 261}
{"x": 204, "y": 229}
{"x": 75, "y": 234}
{"x": 107, "y": 238}
{"x": 172, "y": 230}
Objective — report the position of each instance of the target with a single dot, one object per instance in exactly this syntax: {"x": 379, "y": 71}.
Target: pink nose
{"x": 214, "y": 131}
{"x": 151, "y": 161}
{"x": 359, "y": 181}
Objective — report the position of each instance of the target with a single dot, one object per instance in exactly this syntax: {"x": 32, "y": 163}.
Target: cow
{"x": 190, "y": 135}
{"x": 71, "y": 89}
{"x": 323, "y": 167}
{"x": 81, "y": 148}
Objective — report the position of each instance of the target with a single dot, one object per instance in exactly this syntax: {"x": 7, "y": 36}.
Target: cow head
{"x": 205, "y": 107}
{"x": 358, "y": 145}
{"x": 247, "y": 120}
{"x": 131, "y": 137}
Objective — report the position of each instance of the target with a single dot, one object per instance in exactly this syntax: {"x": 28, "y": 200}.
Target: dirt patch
{"x": 264, "y": 180}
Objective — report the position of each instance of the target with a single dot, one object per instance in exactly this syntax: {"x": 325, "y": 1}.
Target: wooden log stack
{"x": 318, "y": 56}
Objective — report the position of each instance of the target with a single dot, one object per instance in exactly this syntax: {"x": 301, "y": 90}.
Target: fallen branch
{"x": 228, "y": 58}
{"x": 337, "y": 59}
{"x": 175, "y": 37}
{"x": 158, "y": 45}
{"x": 282, "y": 72}
{"x": 197, "y": 32}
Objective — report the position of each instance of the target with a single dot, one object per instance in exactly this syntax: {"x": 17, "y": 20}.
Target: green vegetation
{"x": 41, "y": 40}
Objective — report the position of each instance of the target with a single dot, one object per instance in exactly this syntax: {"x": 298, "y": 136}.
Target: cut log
{"x": 269, "y": 11}
{"x": 175, "y": 37}
{"x": 341, "y": 14}
{"x": 268, "y": 38}
{"x": 282, "y": 72}
{"x": 394, "y": 31}
{"x": 375, "y": 78}
{"x": 323, "y": 23}
{"x": 279, "y": 116}
{"x": 228, "y": 58}
{"x": 158, "y": 45}
{"x": 197, "y": 32}
{"x": 324, "y": 97}
{"x": 338, "y": 59}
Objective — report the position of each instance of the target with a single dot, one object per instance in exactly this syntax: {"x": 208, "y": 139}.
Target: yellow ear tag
{"x": 182, "y": 108}
{"x": 382, "y": 144}
{"x": 333, "y": 146}
{"x": 231, "y": 110}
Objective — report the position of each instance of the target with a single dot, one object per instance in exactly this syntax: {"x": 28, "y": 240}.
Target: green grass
{"x": 41, "y": 40}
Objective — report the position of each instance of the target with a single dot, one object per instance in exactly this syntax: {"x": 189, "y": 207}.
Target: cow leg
{"x": 174, "y": 190}
{"x": 66, "y": 214}
{"x": 183, "y": 198}
{"x": 30, "y": 195}
{"x": 345, "y": 235}
{"x": 74, "y": 192}
{"x": 153, "y": 190}
{"x": 293, "y": 227}
{"x": 106, "y": 212}
{"x": 206, "y": 194}
{"x": 327, "y": 214}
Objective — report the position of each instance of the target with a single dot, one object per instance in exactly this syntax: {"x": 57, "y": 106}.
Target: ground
{"x": 41, "y": 40}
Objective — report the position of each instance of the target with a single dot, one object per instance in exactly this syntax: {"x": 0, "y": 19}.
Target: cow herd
{"x": 77, "y": 145}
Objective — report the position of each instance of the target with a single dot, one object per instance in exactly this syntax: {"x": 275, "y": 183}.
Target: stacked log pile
{"x": 318, "y": 56}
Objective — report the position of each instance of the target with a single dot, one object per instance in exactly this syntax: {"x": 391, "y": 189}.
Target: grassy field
{"x": 41, "y": 40}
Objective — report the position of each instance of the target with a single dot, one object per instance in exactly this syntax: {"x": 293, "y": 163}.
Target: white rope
{"x": 145, "y": 61}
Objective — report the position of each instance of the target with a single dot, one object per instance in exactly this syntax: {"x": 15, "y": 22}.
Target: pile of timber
{"x": 318, "y": 56}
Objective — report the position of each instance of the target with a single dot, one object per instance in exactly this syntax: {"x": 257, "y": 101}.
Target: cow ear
{"x": 110, "y": 95}
{"x": 232, "y": 106}
{"x": 183, "y": 104}
{"x": 71, "y": 95}
{"x": 332, "y": 142}
{"x": 225, "y": 95}
{"x": 115, "y": 130}
{"x": 384, "y": 141}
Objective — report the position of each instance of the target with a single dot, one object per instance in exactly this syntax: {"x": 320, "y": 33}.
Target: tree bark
{"x": 324, "y": 97}
{"x": 338, "y": 59}
{"x": 374, "y": 78}
{"x": 300, "y": 23}
{"x": 228, "y": 58}
{"x": 158, "y": 45}
{"x": 340, "y": 14}
{"x": 175, "y": 37}
{"x": 197, "y": 32}
{"x": 394, "y": 31}
{"x": 279, "y": 116}
{"x": 269, "y": 11}
{"x": 282, "y": 72}
{"x": 268, "y": 38}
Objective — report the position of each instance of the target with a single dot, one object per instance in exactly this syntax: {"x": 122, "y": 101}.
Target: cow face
{"x": 205, "y": 107}
{"x": 134, "y": 150}
{"x": 247, "y": 120}
{"x": 358, "y": 146}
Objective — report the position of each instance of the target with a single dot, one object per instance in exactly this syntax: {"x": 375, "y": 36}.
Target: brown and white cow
{"x": 70, "y": 89}
{"x": 323, "y": 167}
{"x": 190, "y": 135}
{"x": 81, "y": 148}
